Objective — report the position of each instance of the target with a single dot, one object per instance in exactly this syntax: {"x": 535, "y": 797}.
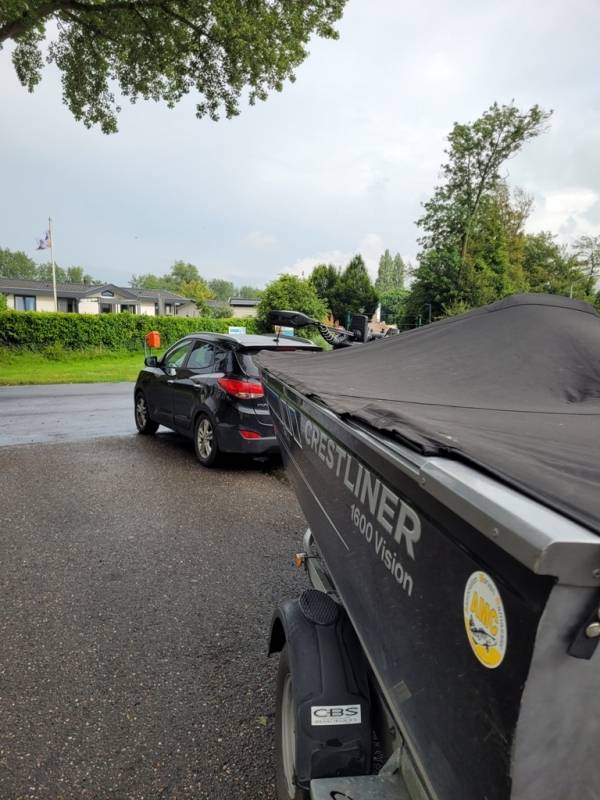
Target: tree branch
{"x": 17, "y": 27}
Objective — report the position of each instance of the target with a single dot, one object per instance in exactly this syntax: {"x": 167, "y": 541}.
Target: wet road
{"x": 136, "y": 590}
{"x": 65, "y": 412}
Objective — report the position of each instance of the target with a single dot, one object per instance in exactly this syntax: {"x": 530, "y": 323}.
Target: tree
{"x": 587, "y": 253}
{"x": 290, "y": 292}
{"x": 44, "y": 273}
{"x": 353, "y": 292}
{"x": 391, "y": 272}
{"x": 551, "y": 269}
{"x": 17, "y": 265}
{"x": 471, "y": 225}
{"x": 183, "y": 272}
{"x": 248, "y": 293}
{"x": 392, "y": 305}
{"x": 163, "y": 49}
{"x": 183, "y": 279}
{"x": 324, "y": 278}
{"x": 79, "y": 275}
{"x": 3, "y": 305}
{"x": 221, "y": 289}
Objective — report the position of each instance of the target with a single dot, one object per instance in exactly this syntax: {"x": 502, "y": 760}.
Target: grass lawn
{"x": 57, "y": 366}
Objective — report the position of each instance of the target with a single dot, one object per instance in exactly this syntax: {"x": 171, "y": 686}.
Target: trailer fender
{"x": 329, "y": 684}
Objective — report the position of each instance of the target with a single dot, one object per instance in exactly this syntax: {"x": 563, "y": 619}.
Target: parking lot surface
{"x": 64, "y": 412}
{"x": 136, "y": 590}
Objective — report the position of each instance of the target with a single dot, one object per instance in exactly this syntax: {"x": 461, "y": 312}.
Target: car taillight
{"x": 244, "y": 390}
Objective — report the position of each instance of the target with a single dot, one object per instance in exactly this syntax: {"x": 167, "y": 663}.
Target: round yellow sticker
{"x": 485, "y": 620}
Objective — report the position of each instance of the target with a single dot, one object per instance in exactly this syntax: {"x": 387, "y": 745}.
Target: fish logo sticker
{"x": 485, "y": 620}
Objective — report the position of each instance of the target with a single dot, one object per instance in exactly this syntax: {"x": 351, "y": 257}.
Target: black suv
{"x": 206, "y": 386}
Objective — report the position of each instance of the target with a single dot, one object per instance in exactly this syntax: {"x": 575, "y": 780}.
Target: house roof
{"x": 243, "y": 301}
{"x": 80, "y": 290}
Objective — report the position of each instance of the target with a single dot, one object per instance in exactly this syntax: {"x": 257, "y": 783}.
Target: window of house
{"x": 168, "y": 308}
{"x": 107, "y": 293}
{"x": 105, "y": 308}
{"x": 128, "y": 308}
{"x": 24, "y": 302}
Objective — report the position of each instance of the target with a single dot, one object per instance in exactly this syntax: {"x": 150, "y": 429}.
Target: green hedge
{"x": 37, "y": 330}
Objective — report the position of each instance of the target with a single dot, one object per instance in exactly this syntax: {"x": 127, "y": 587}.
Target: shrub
{"x": 40, "y": 330}
{"x": 290, "y": 293}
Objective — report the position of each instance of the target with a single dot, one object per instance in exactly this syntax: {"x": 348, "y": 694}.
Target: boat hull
{"x": 450, "y": 622}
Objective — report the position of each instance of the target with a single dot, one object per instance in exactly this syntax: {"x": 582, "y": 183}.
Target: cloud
{"x": 260, "y": 240}
{"x": 370, "y": 247}
{"x": 565, "y": 213}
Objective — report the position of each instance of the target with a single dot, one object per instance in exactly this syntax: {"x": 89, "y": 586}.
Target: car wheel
{"x": 143, "y": 422}
{"x": 205, "y": 441}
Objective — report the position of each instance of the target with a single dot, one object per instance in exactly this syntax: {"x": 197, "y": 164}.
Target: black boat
{"x": 450, "y": 477}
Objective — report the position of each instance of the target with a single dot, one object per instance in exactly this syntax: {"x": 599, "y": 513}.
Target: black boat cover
{"x": 512, "y": 388}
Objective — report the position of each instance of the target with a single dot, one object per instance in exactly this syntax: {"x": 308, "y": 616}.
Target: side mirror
{"x": 171, "y": 372}
{"x": 151, "y": 361}
{"x": 291, "y": 319}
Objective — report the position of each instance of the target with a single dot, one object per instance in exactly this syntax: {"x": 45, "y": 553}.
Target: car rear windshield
{"x": 246, "y": 358}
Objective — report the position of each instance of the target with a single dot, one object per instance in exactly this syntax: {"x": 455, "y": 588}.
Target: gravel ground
{"x": 136, "y": 591}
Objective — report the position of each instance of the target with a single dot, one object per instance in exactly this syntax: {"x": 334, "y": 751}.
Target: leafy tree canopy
{"x": 392, "y": 305}
{"x": 290, "y": 292}
{"x": 221, "y": 289}
{"x": 16, "y": 264}
{"x": 183, "y": 278}
{"x": 164, "y": 49}
{"x": 472, "y": 227}
{"x": 353, "y": 292}
{"x": 324, "y": 278}
{"x": 391, "y": 273}
{"x": 248, "y": 292}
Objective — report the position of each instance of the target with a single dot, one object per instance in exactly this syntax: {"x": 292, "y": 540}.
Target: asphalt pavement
{"x": 65, "y": 412}
{"x": 136, "y": 590}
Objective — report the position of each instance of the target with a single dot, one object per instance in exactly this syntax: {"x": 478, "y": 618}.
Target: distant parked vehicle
{"x": 206, "y": 387}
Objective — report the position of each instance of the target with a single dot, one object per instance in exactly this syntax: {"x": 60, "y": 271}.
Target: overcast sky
{"x": 336, "y": 164}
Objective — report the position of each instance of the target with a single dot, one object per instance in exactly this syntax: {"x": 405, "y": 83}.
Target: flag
{"x": 45, "y": 242}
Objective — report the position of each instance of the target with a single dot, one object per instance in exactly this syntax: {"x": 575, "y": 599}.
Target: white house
{"x": 29, "y": 295}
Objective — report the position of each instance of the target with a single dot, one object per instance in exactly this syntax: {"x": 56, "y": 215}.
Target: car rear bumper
{"x": 231, "y": 441}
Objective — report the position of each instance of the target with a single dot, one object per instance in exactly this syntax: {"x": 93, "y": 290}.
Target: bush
{"x": 36, "y": 330}
{"x": 289, "y": 293}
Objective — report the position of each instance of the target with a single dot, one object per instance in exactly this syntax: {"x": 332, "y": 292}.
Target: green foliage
{"x": 353, "y": 292}
{"x": 587, "y": 252}
{"x": 221, "y": 289}
{"x": 393, "y": 302}
{"x": 183, "y": 278}
{"x": 550, "y": 268}
{"x": 39, "y": 330}
{"x": 290, "y": 293}
{"x": 455, "y": 309}
{"x": 220, "y": 312}
{"x": 324, "y": 278}
{"x": 391, "y": 273}
{"x": 17, "y": 265}
{"x": 3, "y": 302}
{"x": 248, "y": 293}
{"x": 472, "y": 242}
{"x": 164, "y": 50}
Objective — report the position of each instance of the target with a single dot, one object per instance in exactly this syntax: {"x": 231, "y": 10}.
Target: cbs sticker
{"x": 485, "y": 620}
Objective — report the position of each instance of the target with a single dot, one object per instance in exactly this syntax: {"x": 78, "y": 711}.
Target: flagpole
{"x": 52, "y": 259}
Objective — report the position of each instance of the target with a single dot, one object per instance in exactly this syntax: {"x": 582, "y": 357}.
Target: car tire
{"x": 205, "y": 440}
{"x": 143, "y": 422}
{"x": 285, "y": 734}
